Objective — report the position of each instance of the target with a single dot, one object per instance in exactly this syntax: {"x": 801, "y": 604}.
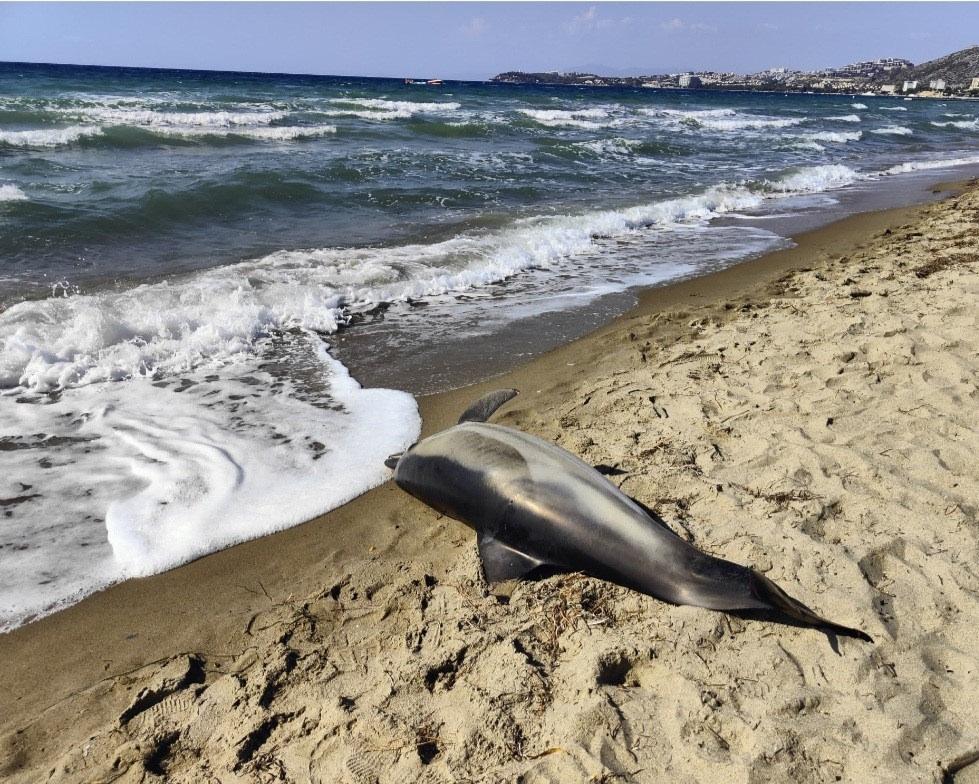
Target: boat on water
{"x": 431, "y": 82}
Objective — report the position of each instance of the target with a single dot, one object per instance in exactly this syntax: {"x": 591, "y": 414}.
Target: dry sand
{"x": 813, "y": 414}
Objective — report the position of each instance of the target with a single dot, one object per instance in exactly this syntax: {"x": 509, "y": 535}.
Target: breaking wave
{"x": 965, "y": 125}
{"x": 150, "y": 118}
{"x": 48, "y": 137}
{"x": 893, "y": 130}
{"x": 840, "y": 137}
{"x": 578, "y": 118}
{"x": 11, "y": 193}
{"x": 815, "y": 179}
{"x": 382, "y": 109}
{"x": 723, "y": 119}
{"x": 280, "y": 133}
{"x": 946, "y": 163}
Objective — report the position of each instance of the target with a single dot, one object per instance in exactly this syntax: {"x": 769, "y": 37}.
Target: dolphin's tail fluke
{"x": 768, "y": 592}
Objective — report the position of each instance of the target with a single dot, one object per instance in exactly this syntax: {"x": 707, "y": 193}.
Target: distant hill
{"x": 957, "y": 69}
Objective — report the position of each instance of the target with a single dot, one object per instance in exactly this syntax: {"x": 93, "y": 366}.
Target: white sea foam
{"x": 815, "y": 179}
{"x": 368, "y": 114}
{"x": 615, "y": 147}
{"x": 381, "y": 109}
{"x": 275, "y": 133}
{"x": 840, "y": 137}
{"x": 946, "y": 163}
{"x": 859, "y": 105}
{"x": 850, "y": 118}
{"x": 965, "y": 125}
{"x": 48, "y": 137}
{"x": 893, "y": 130}
{"x": 10, "y": 192}
{"x": 410, "y": 106}
{"x": 576, "y": 118}
{"x": 893, "y": 108}
{"x": 723, "y": 119}
{"x": 149, "y": 118}
{"x": 150, "y": 474}
{"x": 804, "y": 144}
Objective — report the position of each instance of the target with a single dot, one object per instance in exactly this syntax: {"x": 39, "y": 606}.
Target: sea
{"x": 218, "y": 291}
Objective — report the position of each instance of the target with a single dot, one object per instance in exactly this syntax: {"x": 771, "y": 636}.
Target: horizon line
{"x": 229, "y": 71}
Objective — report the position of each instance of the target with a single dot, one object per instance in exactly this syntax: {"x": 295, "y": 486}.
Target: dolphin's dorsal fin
{"x": 486, "y": 406}
{"x": 501, "y": 562}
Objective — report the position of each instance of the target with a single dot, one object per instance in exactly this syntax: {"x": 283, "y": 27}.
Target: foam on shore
{"x": 940, "y": 163}
{"x": 150, "y": 473}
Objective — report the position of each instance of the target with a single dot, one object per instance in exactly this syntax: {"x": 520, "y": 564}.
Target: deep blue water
{"x": 133, "y": 173}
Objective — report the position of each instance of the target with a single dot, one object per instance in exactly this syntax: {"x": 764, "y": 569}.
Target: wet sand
{"x": 807, "y": 413}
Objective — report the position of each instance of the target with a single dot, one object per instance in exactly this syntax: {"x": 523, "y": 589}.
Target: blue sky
{"x": 476, "y": 40}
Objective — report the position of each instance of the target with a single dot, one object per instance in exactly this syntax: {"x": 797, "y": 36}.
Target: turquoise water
{"x": 179, "y": 249}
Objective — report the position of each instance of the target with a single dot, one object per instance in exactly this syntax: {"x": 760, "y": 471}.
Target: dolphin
{"x": 533, "y": 504}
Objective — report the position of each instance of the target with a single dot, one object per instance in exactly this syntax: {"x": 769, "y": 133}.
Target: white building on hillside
{"x": 909, "y": 86}
{"x": 936, "y": 84}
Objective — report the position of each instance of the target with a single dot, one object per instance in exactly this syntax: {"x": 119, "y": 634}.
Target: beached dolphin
{"x": 532, "y": 504}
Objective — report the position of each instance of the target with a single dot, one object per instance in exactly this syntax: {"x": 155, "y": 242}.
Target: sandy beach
{"x": 811, "y": 413}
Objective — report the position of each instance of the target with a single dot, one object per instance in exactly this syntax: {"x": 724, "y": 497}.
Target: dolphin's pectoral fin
{"x": 486, "y": 406}
{"x": 501, "y": 562}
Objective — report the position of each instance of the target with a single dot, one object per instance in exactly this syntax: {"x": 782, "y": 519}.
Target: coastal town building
{"x": 950, "y": 75}
{"x": 869, "y": 69}
{"x": 835, "y": 84}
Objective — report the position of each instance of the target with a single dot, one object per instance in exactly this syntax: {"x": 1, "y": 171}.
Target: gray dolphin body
{"x": 534, "y": 504}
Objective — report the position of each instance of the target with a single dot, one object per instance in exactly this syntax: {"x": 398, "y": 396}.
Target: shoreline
{"x": 207, "y": 605}
{"x": 433, "y": 367}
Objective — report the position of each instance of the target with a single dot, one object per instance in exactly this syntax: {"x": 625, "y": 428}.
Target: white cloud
{"x": 586, "y": 21}
{"x": 678, "y": 25}
{"x": 474, "y": 28}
